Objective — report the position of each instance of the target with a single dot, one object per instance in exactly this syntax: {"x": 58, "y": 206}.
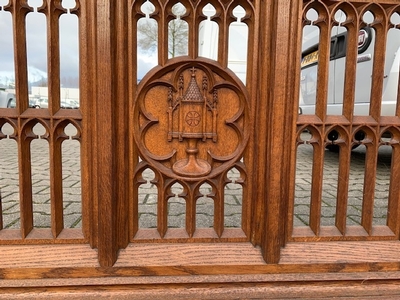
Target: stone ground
{"x": 176, "y": 215}
{"x": 356, "y": 183}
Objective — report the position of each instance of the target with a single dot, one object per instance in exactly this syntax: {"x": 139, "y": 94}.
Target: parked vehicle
{"x": 32, "y": 102}
{"x": 7, "y": 99}
{"x": 42, "y": 102}
{"x": 366, "y": 44}
{"x": 309, "y": 65}
{"x": 12, "y": 103}
{"x": 69, "y": 104}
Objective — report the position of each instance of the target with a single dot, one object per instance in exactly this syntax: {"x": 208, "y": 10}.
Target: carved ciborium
{"x": 190, "y": 119}
{"x": 193, "y": 106}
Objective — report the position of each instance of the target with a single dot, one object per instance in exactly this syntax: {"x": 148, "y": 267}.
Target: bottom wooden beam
{"x": 313, "y": 270}
{"x": 288, "y": 286}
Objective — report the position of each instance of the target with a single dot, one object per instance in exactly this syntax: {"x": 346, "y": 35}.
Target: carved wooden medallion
{"x": 190, "y": 119}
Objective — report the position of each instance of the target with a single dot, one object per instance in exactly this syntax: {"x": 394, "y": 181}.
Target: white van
{"x": 309, "y": 65}
{"x": 237, "y": 47}
{"x": 7, "y": 99}
{"x": 366, "y": 44}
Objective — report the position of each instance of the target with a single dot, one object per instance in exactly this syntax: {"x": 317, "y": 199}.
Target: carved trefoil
{"x": 190, "y": 119}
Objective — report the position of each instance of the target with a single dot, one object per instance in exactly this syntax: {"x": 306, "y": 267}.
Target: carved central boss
{"x": 190, "y": 119}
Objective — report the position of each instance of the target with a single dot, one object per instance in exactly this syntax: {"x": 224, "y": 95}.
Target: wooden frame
{"x": 266, "y": 257}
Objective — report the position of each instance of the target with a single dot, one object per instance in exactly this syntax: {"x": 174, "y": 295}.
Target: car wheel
{"x": 336, "y": 148}
{"x": 333, "y": 148}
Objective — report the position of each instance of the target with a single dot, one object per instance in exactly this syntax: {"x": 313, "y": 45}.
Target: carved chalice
{"x": 193, "y": 107}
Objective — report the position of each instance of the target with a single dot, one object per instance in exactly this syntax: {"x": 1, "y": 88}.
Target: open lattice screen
{"x": 40, "y": 123}
{"x": 346, "y": 178}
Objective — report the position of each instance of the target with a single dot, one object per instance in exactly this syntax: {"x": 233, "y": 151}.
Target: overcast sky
{"x": 36, "y": 46}
{"x": 69, "y": 45}
{"x": 37, "y": 49}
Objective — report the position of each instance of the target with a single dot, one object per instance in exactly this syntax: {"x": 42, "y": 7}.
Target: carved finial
{"x": 205, "y": 83}
{"x": 193, "y": 72}
{"x": 181, "y": 82}
{"x": 193, "y": 91}
{"x": 170, "y": 96}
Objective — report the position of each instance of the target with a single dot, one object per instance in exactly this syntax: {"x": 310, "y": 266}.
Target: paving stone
{"x": 148, "y": 194}
{"x": 300, "y": 220}
{"x": 176, "y": 209}
{"x": 204, "y": 221}
{"x": 143, "y": 209}
{"x": 233, "y": 221}
{"x": 73, "y": 220}
{"x": 72, "y": 208}
{"x": 11, "y": 220}
{"x": 41, "y": 219}
{"x": 176, "y": 221}
{"x": 147, "y": 220}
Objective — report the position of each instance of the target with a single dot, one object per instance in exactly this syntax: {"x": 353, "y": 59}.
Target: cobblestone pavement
{"x": 356, "y": 183}
{"x": 176, "y": 208}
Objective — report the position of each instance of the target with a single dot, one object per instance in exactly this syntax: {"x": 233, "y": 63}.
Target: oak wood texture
{"x": 215, "y": 271}
{"x": 216, "y": 289}
{"x": 190, "y": 259}
{"x": 265, "y": 258}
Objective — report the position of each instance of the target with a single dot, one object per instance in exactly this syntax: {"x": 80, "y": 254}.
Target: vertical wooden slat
{"x": 162, "y": 208}
{"x": 275, "y": 94}
{"x": 19, "y": 10}
{"x": 120, "y": 100}
{"x": 249, "y": 156}
{"x": 56, "y": 189}
{"x": 193, "y": 32}
{"x": 350, "y": 69}
{"x": 398, "y": 98}
{"x": 218, "y": 197}
{"x": 260, "y": 125}
{"x": 162, "y": 37}
{"x": 1, "y": 212}
{"x": 397, "y": 113}
{"x": 378, "y": 71}
{"x": 393, "y": 212}
{"x": 367, "y": 215}
{"x": 348, "y": 110}
{"x": 25, "y": 179}
{"x": 316, "y": 186}
{"x": 343, "y": 186}
{"x": 87, "y": 104}
{"x": 111, "y": 114}
{"x": 290, "y": 130}
{"x": 53, "y": 10}
{"x": 134, "y": 205}
{"x": 223, "y": 39}
{"x": 105, "y": 140}
{"x": 133, "y": 16}
{"x": 85, "y": 89}
{"x": 190, "y": 216}
{"x": 323, "y": 23}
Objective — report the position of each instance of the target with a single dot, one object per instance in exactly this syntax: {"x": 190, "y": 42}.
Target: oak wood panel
{"x": 232, "y": 290}
{"x": 17, "y": 262}
{"x": 343, "y": 266}
{"x": 189, "y": 263}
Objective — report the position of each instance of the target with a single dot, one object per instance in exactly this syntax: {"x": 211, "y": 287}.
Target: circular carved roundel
{"x": 191, "y": 119}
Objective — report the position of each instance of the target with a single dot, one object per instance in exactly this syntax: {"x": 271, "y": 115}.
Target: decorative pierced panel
{"x": 40, "y": 129}
{"x": 346, "y": 181}
{"x": 191, "y": 121}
